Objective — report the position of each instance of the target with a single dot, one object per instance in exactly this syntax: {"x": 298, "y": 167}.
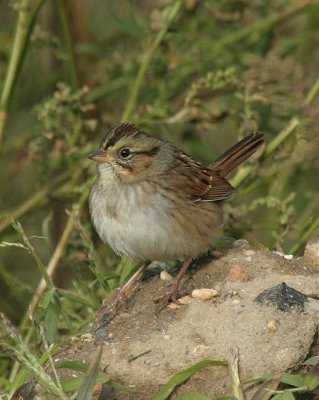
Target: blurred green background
{"x": 201, "y": 74}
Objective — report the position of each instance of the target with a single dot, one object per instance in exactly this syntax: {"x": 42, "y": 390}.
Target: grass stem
{"x": 131, "y": 104}
{"x": 25, "y": 23}
{"x": 71, "y": 64}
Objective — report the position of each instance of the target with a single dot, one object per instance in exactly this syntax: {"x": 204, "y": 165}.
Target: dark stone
{"x": 283, "y": 297}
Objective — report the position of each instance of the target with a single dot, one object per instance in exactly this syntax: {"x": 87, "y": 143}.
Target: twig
{"x": 133, "y": 358}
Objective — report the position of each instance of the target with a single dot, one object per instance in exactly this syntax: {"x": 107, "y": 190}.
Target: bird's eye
{"x": 125, "y": 153}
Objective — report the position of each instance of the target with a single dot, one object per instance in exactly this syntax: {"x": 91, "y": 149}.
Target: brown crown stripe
{"x": 118, "y": 132}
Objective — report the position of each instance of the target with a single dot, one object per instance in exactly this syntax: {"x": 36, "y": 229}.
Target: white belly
{"x": 147, "y": 226}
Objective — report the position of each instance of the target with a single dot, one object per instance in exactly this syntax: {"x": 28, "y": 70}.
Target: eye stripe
{"x": 152, "y": 152}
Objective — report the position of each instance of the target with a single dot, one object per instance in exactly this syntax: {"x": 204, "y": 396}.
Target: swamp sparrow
{"x": 151, "y": 201}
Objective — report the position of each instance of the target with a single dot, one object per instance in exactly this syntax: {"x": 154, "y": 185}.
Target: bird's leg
{"x": 172, "y": 293}
{"x": 123, "y": 295}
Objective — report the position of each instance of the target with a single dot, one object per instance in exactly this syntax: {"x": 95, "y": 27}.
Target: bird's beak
{"x": 100, "y": 156}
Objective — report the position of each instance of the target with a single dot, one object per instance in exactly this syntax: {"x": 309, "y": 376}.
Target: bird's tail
{"x": 238, "y": 153}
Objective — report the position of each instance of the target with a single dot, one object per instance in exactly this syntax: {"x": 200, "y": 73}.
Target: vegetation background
{"x": 201, "y": 74}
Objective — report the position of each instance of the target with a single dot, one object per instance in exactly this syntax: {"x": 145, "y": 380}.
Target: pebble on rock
{"x": 216, "y": 253}
{"x": 272, "y": 326}
{"x": 165, "y": 276}
{"x": 249, "y": 252}
{"x": 237, "y": 273}
{"x": 312, "y": 252}
{"x": 204, "y": 294}
{"x": 241, "y": 243}
{"x": 185, "y": 300}
{"x": 173, "y": 306}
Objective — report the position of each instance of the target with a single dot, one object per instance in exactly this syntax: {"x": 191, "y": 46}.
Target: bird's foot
{"x": 107, "y": 313}
{"x": 171, "y": 296}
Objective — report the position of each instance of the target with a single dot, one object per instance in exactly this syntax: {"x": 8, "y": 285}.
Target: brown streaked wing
{"x": 199, "y": 181}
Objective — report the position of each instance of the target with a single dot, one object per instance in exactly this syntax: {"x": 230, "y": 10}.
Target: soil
{"x": 147, "y": 348}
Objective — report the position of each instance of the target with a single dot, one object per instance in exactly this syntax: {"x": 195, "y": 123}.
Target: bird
{"x": 153, "y": 202}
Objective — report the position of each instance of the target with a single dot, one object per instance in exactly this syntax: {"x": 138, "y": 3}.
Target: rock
{"x": 185, "y": 300}
{"x": 204, "y": 294}
{"x": 283, "y": 297}
{"x": 312, "y": 252}
{"x": 272, "y": 326}
{"x": 241, "y": 243}
{"x": 270, "y": 341}
{"x": 165, "y": 276}
{"x": 285, "y": 256}
{"x": 173, "y": 306}
{"x": 249, "y": 252}
{"x": 216, "y": 253}
{"x": 237, "y": 273}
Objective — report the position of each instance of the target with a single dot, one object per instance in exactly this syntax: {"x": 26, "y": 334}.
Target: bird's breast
{"x": 145, "y": 222}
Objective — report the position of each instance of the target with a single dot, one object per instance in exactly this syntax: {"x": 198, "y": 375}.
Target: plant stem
{"x": 305, "y": 237}
{"x": 25, "y": 24}
{"x": 312, "y": 93}
{"x": 71, "y": 65}
{"x": 50, "y": 270}
{"x": 40, "y": 196}
{"x": 131, "y": 104}
{"x": 282, "y": 136}
{"x": 56, "y": 256}
{"x": 17, "y": 226}
{"x": 234, "y": 374}
{"x": 261, "y": 25}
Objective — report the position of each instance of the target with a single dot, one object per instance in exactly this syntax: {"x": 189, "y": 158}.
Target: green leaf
{"x": 115, "y": 385}
{"x": 71, "y": 384}
{"x": 182, "y": 376}
{"x": 192, "y": 396}
{"x": 20, "y": 379}
{"x": 284, "y": 396}
{"x": 311, "y": 380}
{"x": 226, "y": 398}
{"x": 312, "y": 361}
{"x": 87, "y": 386}
{"x": 260, "y": 379}
{"x": 74, "y": 365}
{"x": 51, "y": 320}
{"x": 43, "y": 305}
{"x": 293, "y": 380}
{"x": 265, "y": 391}
{"x": 5, "y": 382}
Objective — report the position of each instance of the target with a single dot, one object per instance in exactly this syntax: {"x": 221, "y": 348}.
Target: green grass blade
{"x": 192, "y": 396}
{"x": 86, "y": 389}
{"x": 182, "y": 376}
